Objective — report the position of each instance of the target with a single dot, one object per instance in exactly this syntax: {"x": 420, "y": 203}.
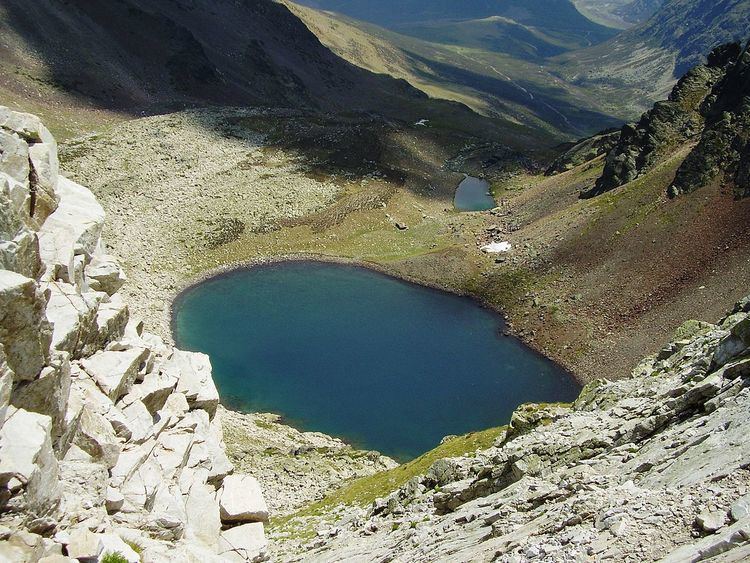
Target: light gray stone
{"x": 195, "y": 380}
{"x": 203, "y": 520}
{"x": 25, "y": 332}
{"x": 43, "y": 179}
{"x": 96, "y": 437}
{"x": 73, "y": 229}
{"x": 241, "y": 500}
{"x": 111, "y": 544}
{"x": 48, "y": 394}
{"x": 243, "y": 543}
{"x": 115, "y": 372}
{"x": 73, "y": 316}
{"x": 105, "y": 274}
{"x": 28, "y": 464}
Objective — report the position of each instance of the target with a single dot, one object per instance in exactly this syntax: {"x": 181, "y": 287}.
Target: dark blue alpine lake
{"x": 382, "y": 363}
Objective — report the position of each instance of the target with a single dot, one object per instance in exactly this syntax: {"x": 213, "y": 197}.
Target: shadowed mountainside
{"x": 140, "y": 56}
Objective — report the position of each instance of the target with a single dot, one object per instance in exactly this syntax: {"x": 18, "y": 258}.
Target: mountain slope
{"x": 708, "y": 105}
{"x": 548, "y": 24}
{"x": 620, "y": 14}
{"x": 648, "y": 58}
{"x": 492, "y": 83}
{"x": 141, "y": 55}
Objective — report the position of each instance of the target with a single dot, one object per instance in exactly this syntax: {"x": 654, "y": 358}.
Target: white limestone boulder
{"x": 95, "y": 436}
{"x": 73, "y": 316}
{"x": 19, "y": 245}
{"x": 167, "y": 517}
{"x": 26, "y": 125}
{"x": 105, "y": 274}
{"x": 195, "y": 381}
{"x": 241, "y": 500}
{"x": 6, "y": 385}
{"x": 139, "y": 422}
{"x": 83, "y": 544}
{"x": 153, "y": 391}
{"x": 27, "y": 461}
{"x": 202, "y": 510}
{"x": 25, "y": 332}
{"x": 115, "y": 371}
{"x": 111, "y": 320}
{"x": 48, "y": 394}
{"x": 73, "y": 229}
{"x": 243, "y": 543}
{"x": 110, "y": 544}
{"x": 44, "y": 178}
{"x": 141, "y": 485}
{"x": 14, "y": 156}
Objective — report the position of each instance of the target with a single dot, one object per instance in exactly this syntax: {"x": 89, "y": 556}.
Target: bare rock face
{"x": 108, "y": 437}
{"x": 706, "y": 104}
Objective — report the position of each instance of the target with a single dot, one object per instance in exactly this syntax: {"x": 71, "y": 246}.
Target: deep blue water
{"x": 384, "y": 364}
{"x": 473, "y": 194}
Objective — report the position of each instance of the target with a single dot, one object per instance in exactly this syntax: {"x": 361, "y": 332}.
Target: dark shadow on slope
{"x": 154, "y": 56}
{"x": 546, "y": 104}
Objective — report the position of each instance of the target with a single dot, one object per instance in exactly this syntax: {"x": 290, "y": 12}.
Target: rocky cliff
{"x": 654, "y": 467}
{"x": 708, "y": 106}
{"x": 109, "y": 439}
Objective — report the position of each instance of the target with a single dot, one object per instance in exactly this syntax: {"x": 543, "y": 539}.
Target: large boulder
{"x": 43, "y": 179}
{"x": 203, "y": 520}
{"x": 243, "y": 543}
{"x": 105, "y": 274}
{"x": 6, "y": 386}
{"x": 27, "y": 462}
{"x": 241, "y": 500}
{"x": 19, "y": 245}
{"x": 48, "y": 394}
{"x": 74, "y": 317}
{"x": 194, "y": 372}
{"x": 115, "y": 371}
{"x": 95, "y": 436}
{"x": 24, "y": 330}
{"x": 72, "y": 230}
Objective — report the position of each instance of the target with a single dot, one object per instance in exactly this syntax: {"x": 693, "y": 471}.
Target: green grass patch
{"x": 365, "y": 490}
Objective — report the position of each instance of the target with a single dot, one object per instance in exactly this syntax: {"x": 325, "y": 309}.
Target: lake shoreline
{"x": 229, "y": 268}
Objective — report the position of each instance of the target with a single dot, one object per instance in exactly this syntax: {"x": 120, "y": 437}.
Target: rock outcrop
{"x": 724, "y": 148}
{"x": 109, "y": 439}
{"x": 670, "y": 123}
{"x": 654, "y": 467}
{"x": 584, "y": 151}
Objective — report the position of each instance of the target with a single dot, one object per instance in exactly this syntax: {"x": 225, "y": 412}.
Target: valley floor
{"x": 595, "y": 284}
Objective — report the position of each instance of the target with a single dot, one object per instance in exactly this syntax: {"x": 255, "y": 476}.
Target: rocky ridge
{"x": 707, "y": 107}
{"x": 109, "y": 439}
{"x": 654, "y": 467}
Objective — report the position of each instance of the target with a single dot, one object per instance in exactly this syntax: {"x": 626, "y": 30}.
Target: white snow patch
{"x": 496, "y": 247}
{"x": 422, "y": 122}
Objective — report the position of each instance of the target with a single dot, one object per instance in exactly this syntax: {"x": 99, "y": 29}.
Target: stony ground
{"x": 296, "y": 468}
{"x": 654, "y": 467}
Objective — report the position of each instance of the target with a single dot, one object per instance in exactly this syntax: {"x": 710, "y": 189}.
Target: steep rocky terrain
{"x": 653, "y": 467}
{"x": 109, "y": 439}
{"x": 708, "y": 106}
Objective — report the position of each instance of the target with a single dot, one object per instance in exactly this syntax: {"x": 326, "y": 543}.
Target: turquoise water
{"x": 473, "y": 194}
{"x": 384, "y": 364}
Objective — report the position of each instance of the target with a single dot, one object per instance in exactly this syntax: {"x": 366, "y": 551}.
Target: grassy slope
{"x": 493, "y": 83}
{"x": 362, "y": 492}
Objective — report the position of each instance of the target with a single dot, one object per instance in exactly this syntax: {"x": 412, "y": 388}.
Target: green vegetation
{"x": 365, "y": 490}
{"x": 114, "y": 557}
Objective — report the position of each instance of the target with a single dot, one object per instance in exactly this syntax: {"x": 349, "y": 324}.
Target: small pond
{"x": 385, "y": 364}
{"x": 473, "y": 194}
